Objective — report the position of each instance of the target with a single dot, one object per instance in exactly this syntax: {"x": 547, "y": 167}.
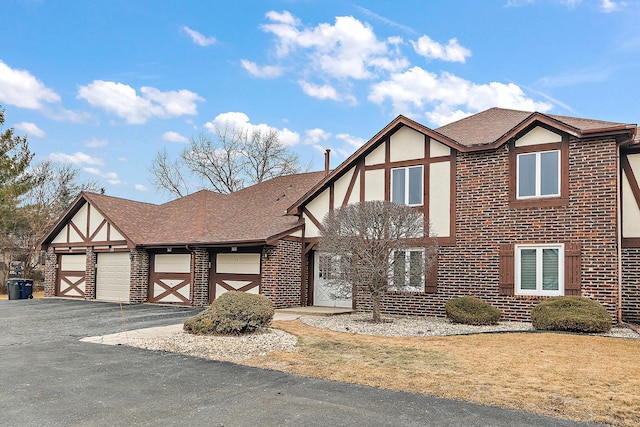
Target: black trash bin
{"x": 26, "y": 289}
{"x": 13, "y": 288}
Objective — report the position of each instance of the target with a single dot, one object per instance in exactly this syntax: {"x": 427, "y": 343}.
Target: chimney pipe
{"x": 326, "y": 162}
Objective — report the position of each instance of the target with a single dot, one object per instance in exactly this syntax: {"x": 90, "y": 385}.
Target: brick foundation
{"x": 139, "y": 288}
{"x": 50, "y": 272}
{"x": 631, "y": 285}
{"x": 90, "y": 275}
{"x": 200, "y": 291}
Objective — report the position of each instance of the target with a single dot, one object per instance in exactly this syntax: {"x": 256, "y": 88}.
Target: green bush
{"x": 233, "y": 313}
{"x": 575, "y": 314}
{"x": 471, "y": 311}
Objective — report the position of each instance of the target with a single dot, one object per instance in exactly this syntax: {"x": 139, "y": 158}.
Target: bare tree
{"x": 235, "y": 158}
{"x": 168, "y": 175}
{"x": 378, "y": 246}
{"x": 53, "y": 188}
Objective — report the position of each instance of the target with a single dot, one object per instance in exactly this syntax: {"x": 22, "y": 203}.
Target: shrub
{"x": 575, "y": 314}
{"x": 471, "y": 311}
{"x": 234, "y": 313}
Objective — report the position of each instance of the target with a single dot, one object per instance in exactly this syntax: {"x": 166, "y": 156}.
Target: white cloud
{"x": 111, "y": 177}
{"x": 431, "y": 49}
{"x": 31, "y": 129}
{"x": 124, "y": 101}
{"x": 199, "y": 38}
{"x": 265, "y": 72}
{"x": 140, "y": 187}
{"x": 22, "y": 89}
{"x": 78, "y": 158}
{"x": 608, "y": 6}
{"x": 96, "y": 143}
{"x": 326, "y": 92}
{"x": 315, "y": 136}
{"x": 240, "y": 120}
{"x": 442, "y": 98}
{"x": 354, "y": 142}
{"x": 347, "y": 49}
{"x": 174, "y": 137}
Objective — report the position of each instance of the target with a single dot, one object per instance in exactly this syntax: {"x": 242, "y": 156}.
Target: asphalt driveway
{"x": 49, "y": 378}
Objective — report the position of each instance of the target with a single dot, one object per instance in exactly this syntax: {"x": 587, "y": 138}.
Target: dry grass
{"x": 585, "y": 378}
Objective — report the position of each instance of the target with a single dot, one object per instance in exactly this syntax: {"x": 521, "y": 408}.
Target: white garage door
{"x": 113, "y": 277}
{"x": 170, "y": 279}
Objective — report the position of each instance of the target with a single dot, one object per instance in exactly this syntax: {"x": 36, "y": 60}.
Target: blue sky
{"x": 106, "y": 84}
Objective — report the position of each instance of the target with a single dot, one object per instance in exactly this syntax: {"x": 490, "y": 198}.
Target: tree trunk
{"x": 376, "y": 307}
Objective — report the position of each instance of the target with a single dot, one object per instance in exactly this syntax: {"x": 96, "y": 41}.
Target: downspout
{"x": 619, "y": 231}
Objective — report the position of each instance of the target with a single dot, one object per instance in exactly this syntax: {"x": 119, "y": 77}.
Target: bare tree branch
{"x": 167, "y": 175}
{"x": 372, "y": 244}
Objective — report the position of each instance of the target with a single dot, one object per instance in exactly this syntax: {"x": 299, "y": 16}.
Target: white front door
{"x": 323, "y": 294}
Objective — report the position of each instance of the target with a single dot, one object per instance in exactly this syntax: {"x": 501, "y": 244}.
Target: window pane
{"x": 397, "y": 191}
{"x": 549, "y": 170}
{"x": 550, "y": 269}
{"x": 526, "y": 175}
{"x": 415, "y": 268}
{"x": 528, "y": 269}
{"x": 415, "y": 185}
{"x": 399, "y": 268}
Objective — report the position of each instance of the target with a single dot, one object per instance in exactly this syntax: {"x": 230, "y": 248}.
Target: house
{"x": 524, "y": 205}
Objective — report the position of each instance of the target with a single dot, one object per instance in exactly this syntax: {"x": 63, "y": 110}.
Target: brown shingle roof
{"x": 253, "y": 214}
{"x": 490, "y": 126}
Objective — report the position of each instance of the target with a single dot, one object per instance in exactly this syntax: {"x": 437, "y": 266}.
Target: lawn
{"x": 584, "y": 378}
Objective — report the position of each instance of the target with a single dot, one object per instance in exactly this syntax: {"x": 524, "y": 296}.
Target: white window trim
{"x": 406, "y": 187}
{"x": 539, "y": 291}
{"x": 537, "y": 194}
{"x": 405, "y": 287}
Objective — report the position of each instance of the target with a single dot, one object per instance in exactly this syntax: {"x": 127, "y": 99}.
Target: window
{"x": 406, "y": 185}
{"x": 539, "y": 270}
{"x": 538, "y": 174}
{"x": 407, "y": 270}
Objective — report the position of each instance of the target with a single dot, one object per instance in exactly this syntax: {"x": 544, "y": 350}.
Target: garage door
{"x": 113, "y": 277}
{"x": 71, "y": 277}
{"x": 235, "y": 272}
{"x": 170, "y": 279}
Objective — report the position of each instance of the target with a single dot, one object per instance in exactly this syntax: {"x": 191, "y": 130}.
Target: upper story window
{"x": 406, "y": 185}
{"x": 538, "y": 174}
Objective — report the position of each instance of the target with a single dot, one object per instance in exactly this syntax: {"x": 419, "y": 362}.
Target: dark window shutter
{"x": 572, "y": 269}
{"x": 507, "y": 269}
{"x": 431, "y": 281}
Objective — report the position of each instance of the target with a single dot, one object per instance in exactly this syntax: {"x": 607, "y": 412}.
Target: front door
{"x": 325, "y": 295}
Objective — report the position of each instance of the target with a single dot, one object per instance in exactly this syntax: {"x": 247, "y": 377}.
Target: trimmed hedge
{"x": 573, "y": 314}
{"x": 233, "y": 313}
{"x": 471, "y": 311}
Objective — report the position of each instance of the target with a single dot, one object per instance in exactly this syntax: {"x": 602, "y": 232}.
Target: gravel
{"x": 239, "y": 348}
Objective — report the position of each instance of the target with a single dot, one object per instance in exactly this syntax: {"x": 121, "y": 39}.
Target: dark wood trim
{"x": 85, "y": 244}
{"x": 332, "y": 194}
{"x": 633, "y": 181}
{"x": 312, "y": 277}
{"x": 352, "y": 183}
{"x": 313, "y": 219}
{"x": 75, "y": 227}
{"x": 98, "y": 228}
{"x": 631, "y": 242}
{"x": 362, "y": 174}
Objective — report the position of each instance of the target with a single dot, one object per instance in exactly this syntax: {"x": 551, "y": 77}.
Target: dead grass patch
{"x": 585, "y": 378}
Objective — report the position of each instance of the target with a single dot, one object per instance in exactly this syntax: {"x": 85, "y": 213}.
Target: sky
{"x": 105, "y": 84}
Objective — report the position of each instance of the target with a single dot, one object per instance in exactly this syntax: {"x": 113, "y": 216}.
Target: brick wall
{"x": 139, "y": 289}
{"x": 200, "y": 294}
{"x": 484, "y": 220}
{"x": 90, "y": 275}
{"x": 281, "y": 273}
{"x": 631, "y": 285}
{"x": 50, "y": 272}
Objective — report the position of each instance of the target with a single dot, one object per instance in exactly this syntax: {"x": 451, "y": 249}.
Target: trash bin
{"x": 26, "y": 289}
{"x": 13, "y": 288}
{"x": 20, "y": 288}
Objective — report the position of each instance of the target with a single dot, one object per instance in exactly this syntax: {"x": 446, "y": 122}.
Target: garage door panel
{"x": 170, "y": 279}
{"x": 113, "y": 277}
{"x": 71, "y": 277}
